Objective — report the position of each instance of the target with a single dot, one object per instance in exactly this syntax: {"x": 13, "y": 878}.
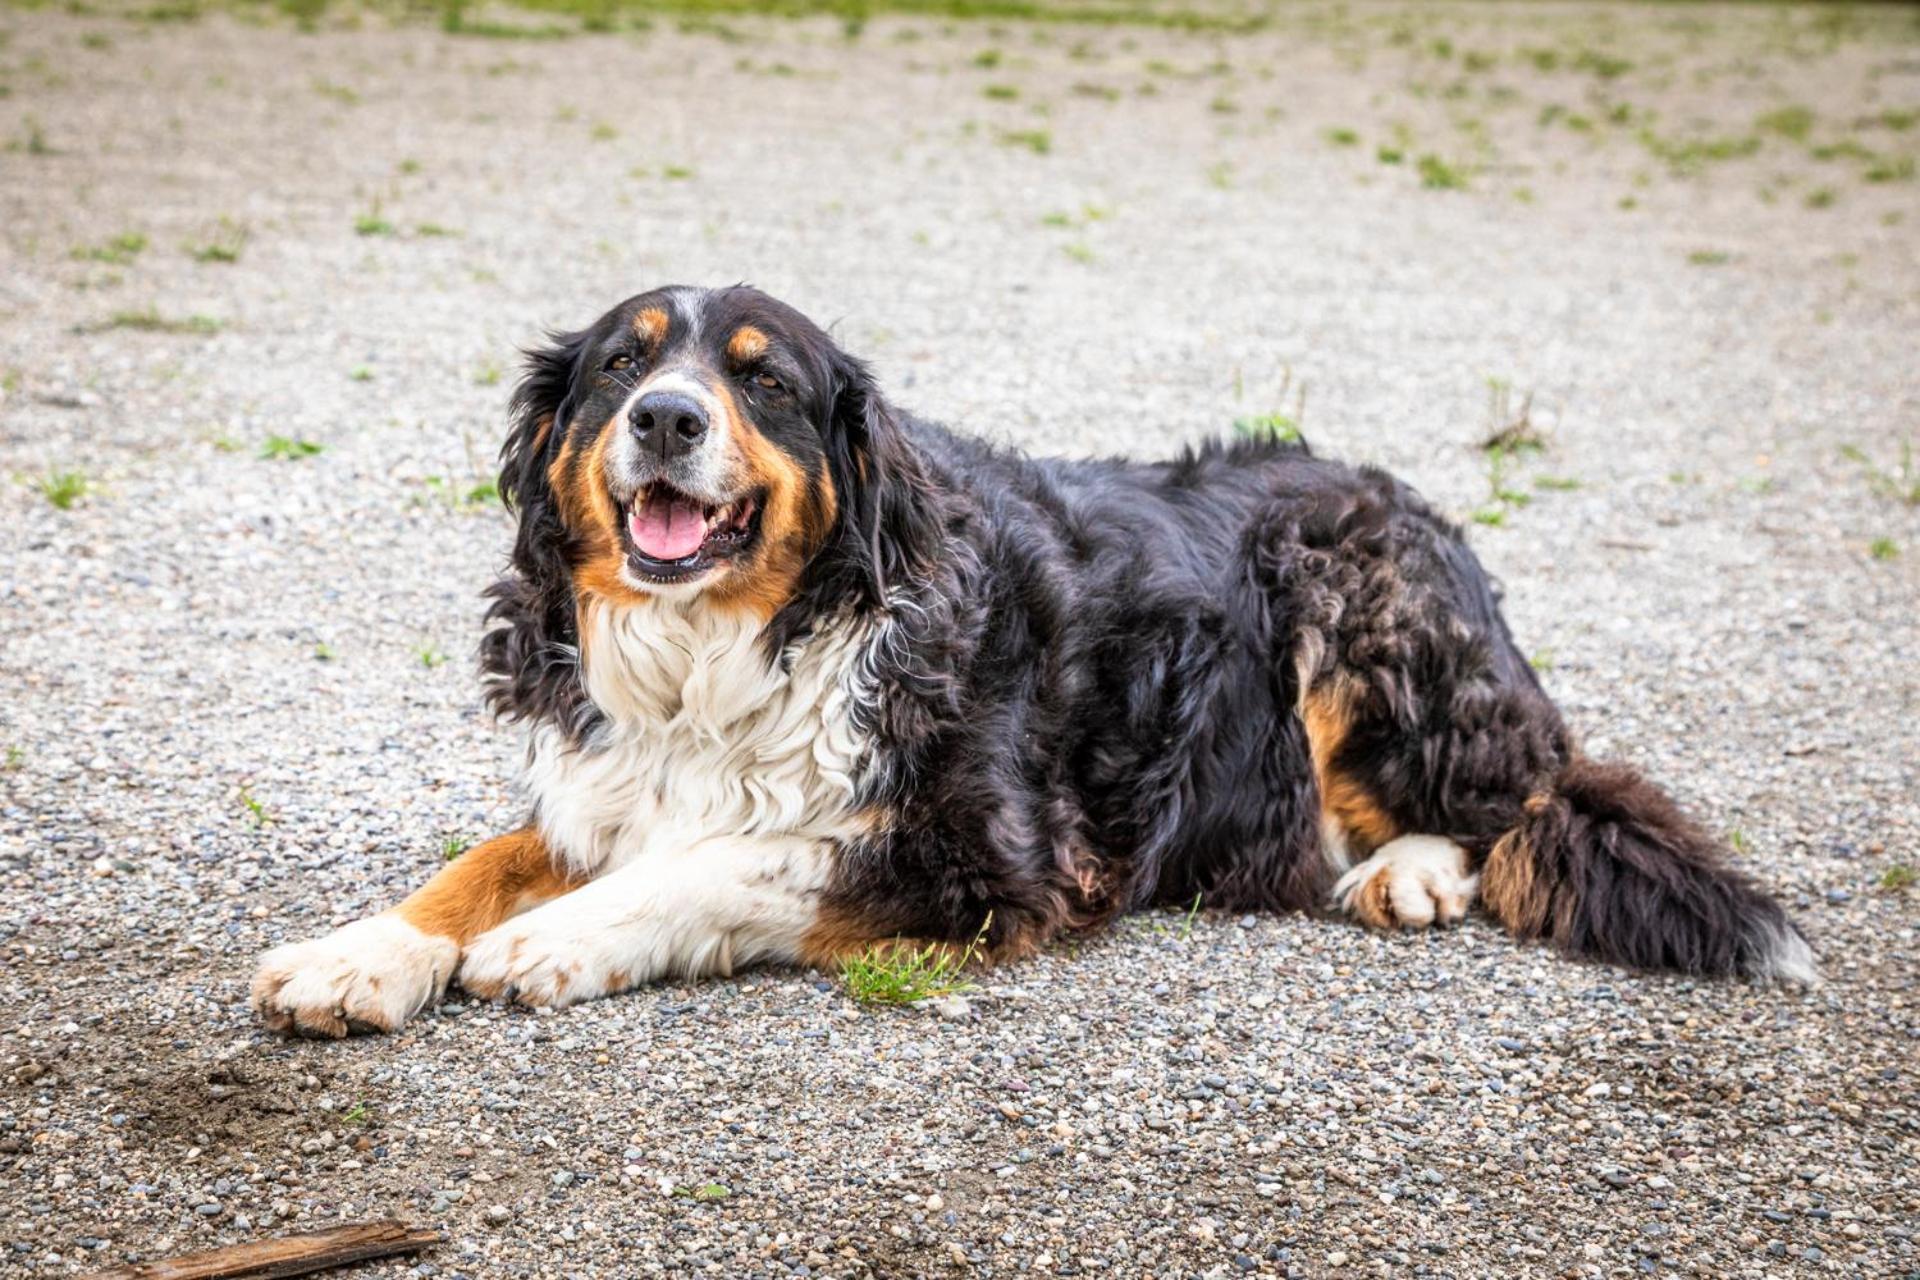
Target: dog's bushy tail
{"x": 1603, "y": 864}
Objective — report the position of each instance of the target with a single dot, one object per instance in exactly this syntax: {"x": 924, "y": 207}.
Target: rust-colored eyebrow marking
{"x": 651, "y": 324}
{"x": 747, "y": 343}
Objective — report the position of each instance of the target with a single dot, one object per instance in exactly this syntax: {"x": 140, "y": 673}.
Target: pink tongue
{"x": 667, "y": 528}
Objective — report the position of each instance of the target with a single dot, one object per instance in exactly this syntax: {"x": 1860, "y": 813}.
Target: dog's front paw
{"x": 371, "y": 975}
{"x": 537, "y": 963}
{"x": 1411, "y": 882}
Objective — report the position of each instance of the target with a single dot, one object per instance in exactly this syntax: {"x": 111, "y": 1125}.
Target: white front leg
{"x": 701, "y": 909}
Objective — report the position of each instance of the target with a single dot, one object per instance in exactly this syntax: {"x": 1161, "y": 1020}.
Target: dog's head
{"x": 711, "y": 447}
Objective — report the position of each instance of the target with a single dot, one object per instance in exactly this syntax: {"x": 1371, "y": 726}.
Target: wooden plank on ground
{"x": 282, "y": 1255}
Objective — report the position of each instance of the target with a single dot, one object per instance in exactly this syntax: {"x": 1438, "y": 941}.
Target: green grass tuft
{"x": 278, "y": 448}
{"x": 1038, "y": 141}
{"x": 64, "y": 489}
{"x": 149, "y": 320}
{"x": 1794, "y": 122}
{"x": 119, "y": 251}
{"x": 897, "y": 973}
{"x": 1437, "y": 175}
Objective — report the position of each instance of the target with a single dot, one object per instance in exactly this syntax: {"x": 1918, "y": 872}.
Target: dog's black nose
{"x": 667, "y": 420}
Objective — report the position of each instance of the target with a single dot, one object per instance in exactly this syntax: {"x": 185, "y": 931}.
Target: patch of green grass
{"x": 1437, "y": 175}
{"x": 1541, "y": 661}
{"x": 1738, "y": 839}
{"x": 454, "y": 21}
{"x": 1890, "y": 169}
{"x": 35, "y": 143}
{"x": 64, "y": 489}
{"x": 1899, "y": 121}
{"x": 1688, "y": 156}
{"x": 360, "y": 373}
{"x": 345, "y": 95}
{"x": 1600, "y": 63}
{"x": 1792, "y": 122}
{"x": 1268, "y": 428}
{"x": 119, "y": 251}
{"x": 149, "y": 320}
{"x": 278, "y": 448}
{"x": 488, "y": 374}
{"x": 371, "y": 223}
{"x": 323, "y": 652}
{"x": 603, "y": 132}
{"x": 1186, "y": 925}
{"x": 255, "y": 810}
{"x": 357, "y": 1114}
{"x": 1389, "y": 155}
{"x": 676, "y": 172}
{"x": 1079, "y": 251}
{"x": 1342, "y": 137}
{"x": 1900, "y": 482}
{"x": 706, "y": 1192}
{"x": 1220, "y": 175}
{"x": 1883, "y": 549}
{"x": 1709, "y": 257}
{"x": 987, "y": 59}
{"x": 430, "y": 657}
{"x": 1038, "y": 141}
{"x": 453, "y": 846}
{"x": 1557, "y": 484}
{"x": 16, "y": 757}
{"x": 482, "y": 493}
{"x": 224, "y": 246}
{"x": 896, "y": 973}
{"x": 1822, "y": 198}
{"x": 1000, "y": 92}
{"x": 1899, "y": 876}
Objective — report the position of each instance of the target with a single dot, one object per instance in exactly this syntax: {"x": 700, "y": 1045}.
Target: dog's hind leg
{"x": 1439, "y": 756}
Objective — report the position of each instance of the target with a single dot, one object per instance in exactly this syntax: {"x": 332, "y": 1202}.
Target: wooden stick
{"x": 283, "y": 1255}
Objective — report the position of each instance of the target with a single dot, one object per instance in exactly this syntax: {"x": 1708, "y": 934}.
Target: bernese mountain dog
{"x": 803, "y": 675}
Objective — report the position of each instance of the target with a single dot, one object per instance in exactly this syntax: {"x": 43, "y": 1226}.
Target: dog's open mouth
{"x": 673, "y": 536}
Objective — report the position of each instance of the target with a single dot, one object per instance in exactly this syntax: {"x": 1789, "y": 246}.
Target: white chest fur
{"x": 703, "y": 738}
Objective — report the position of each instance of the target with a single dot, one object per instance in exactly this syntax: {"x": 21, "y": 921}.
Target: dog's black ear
{"x": 889, "y": 513}
{"x": 530, "y": 658}
{"x": 538, "y": 412}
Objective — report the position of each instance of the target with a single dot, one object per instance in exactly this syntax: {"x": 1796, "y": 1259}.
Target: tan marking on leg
{"x": 484, "y": 886}
{"x": 1328, "y": 714}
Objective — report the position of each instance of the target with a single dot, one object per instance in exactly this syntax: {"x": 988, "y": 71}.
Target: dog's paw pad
{"x": 1412, "y": 882}
{"x": 521, "y": 962}
{"x": 371, "y": 975}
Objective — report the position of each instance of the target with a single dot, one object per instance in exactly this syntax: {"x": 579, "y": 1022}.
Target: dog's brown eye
{"x": 618, "y": 363}
{"x": 767, "y": 380}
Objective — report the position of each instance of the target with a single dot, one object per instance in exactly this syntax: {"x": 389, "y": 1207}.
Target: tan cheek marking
{"x": 746, "y": 344}
{"x": 790, "y": 528}
{"x": 596, "y": 525}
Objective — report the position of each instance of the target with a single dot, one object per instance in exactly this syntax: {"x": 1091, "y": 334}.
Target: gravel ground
{"x": 237, "y": 699}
